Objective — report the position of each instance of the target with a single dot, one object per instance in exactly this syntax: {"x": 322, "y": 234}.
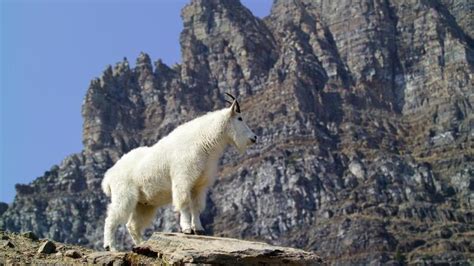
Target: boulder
{"x": 73, "y": 254}
{"x": 47, "y": 247}
{"x": 107, "y": 258}
{"x": 30, "y": 235}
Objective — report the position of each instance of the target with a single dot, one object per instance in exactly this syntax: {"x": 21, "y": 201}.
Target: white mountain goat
{"x": 178, "y": 169}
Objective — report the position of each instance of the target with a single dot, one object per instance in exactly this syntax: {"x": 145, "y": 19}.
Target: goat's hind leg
{"x": 118, "y": 212}
{"x": 110, "y": 226}
{"x": 141, "y": 217}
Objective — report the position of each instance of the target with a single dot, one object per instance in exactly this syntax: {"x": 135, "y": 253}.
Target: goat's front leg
{"x": 196, "y": 222}
{"x": 197, "y": 206}
{"x": 181, "y": 193}
{"x": 185, "y": 221}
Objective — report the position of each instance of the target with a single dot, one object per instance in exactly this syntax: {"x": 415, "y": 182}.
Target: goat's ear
{"x": 234, "y": 108}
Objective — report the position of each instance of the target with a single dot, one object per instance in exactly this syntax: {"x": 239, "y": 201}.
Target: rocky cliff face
{"x": 364, "y": 116}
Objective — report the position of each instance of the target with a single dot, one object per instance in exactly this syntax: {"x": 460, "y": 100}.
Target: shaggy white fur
{"x": 178, "y": 169}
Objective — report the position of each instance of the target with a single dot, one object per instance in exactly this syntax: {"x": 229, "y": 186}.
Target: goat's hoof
{"x": 187, "y": 231}
{"x": 107, "y": 248}
{"x": 199, "y": 232}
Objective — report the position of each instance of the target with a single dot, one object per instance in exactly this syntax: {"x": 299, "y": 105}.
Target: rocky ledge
{"x": 161, "y": 248}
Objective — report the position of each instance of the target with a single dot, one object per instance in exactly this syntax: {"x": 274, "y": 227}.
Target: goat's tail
{"x": 106, "y": 186}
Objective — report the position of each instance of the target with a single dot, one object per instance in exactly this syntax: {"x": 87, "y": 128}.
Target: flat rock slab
{"x": 175, "y": 248}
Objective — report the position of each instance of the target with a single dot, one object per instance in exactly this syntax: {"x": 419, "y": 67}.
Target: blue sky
{"x": 50, "y": 50}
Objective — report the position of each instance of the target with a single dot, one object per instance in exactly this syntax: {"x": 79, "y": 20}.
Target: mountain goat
{"x": 178, "y": 169}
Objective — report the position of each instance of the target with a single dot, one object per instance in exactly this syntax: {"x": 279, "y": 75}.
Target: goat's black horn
{"x": 237, "y": 106}
{"x": 230, "y": 95}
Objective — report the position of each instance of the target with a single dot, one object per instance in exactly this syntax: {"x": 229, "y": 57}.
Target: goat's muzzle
{"x": 254, "y": 139}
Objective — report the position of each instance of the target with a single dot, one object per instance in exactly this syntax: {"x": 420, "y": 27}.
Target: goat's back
{"x": 123, "y": 168}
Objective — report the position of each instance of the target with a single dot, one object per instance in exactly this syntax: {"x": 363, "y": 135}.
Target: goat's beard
{"x": 241, "y": 149}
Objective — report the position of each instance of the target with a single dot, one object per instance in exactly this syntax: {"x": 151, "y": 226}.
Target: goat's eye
{"x": 240, "y": 118}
